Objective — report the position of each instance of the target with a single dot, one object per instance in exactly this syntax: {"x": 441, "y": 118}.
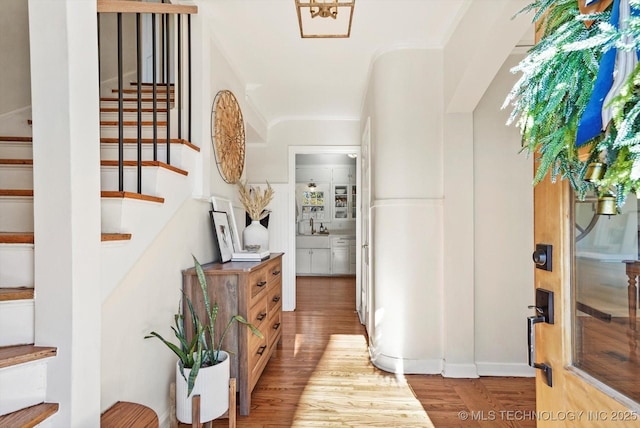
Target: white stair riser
{"x": 109, "y": 179}
{"x": 109, "y": 151}
{"x": 15, "y": 150}
{"x": 16, "y": 176}
{"x": 16, "y": 322}
{"x": 16, "y": 214}
{"x": 120, "y": 215}
{"x": 125, "y": 215}
{"x": 17, "y": 265}
{"x": 146, "y": 116}
{"x": 111, "y": 131}
{"x": 22, "y": 386}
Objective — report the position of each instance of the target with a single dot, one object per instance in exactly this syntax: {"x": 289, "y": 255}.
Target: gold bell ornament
{"x": 606, "y": 205}
{"x": 595, "y": 171}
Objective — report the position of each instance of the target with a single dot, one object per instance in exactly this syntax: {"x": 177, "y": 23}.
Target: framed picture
{"x": 224, "y": 205}
{"x": 222, "y": 230}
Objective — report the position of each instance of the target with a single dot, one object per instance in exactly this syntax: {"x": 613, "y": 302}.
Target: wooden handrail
{"x": 126, "y": 6}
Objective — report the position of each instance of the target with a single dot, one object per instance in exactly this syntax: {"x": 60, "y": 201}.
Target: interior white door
{"x": 365, "y": 232}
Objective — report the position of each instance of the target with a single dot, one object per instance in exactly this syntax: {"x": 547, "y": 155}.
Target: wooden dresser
{"x": 250, "y": 289}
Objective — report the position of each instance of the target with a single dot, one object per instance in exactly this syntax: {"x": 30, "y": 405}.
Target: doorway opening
{"x": 333, "y": 206}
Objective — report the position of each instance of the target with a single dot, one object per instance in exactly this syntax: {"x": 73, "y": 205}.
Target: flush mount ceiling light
{"x": 325, "y": 18}
{"x": 312, "y": 185}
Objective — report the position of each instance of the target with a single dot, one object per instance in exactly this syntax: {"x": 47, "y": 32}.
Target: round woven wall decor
{"x": 227, "y": 136}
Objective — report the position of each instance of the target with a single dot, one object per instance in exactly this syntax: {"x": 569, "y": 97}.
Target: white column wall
{"x": 405, "y": 105}
{"x": 66, "y": 158}
{"x": 453, "y": 242}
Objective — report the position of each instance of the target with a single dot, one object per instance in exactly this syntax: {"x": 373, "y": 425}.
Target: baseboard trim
{"x": 404, "y": 365}
{"x": 463, "y": 371}
{"x": 505, "y": 369}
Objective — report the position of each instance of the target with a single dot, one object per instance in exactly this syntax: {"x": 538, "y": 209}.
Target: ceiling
{"x": 288, "y": 77}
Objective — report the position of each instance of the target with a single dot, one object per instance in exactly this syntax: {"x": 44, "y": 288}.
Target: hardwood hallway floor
{"x": 320, "y": 376}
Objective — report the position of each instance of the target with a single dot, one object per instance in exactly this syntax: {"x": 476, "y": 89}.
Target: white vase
{"x": 212, "y": 385}
{"x": 256, "y": 234}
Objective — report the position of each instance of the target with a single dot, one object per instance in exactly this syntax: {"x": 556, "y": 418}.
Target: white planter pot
{"x": 256, "y": 234}
{"x": 212, "y": 384}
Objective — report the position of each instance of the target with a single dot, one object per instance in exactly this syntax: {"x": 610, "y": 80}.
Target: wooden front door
{"x": 590, "y": 347}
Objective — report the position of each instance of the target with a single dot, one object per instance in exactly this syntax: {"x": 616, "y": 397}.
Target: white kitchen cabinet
{"x": 344, "y": 175}
{"x": 306, "y": 174}
{"x": 344, "y": 202}
{"x": 313, "y": 261}
{"x": 352, "y": 256}
{"x": 339, "y": 256}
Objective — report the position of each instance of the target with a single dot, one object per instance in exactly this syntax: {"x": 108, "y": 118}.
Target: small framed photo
{"x": 222, "y": 204}
{"x": 220, "y": 223}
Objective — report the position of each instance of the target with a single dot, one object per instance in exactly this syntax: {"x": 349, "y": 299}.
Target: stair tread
{"x": 131, "y": 195}
{"x": 28, "y": 238}
{"x": 16, "y": 161}
{"x": 151, "y": 83}
{"x": 18, "y": 354}
{"x": 132, "y": 110}
{"x": 133, "y": 99}
{"x": 16, "y": 238}
{"x": 114, "y": 140}
{"x": 15, "y": 293}
{"x": 16, "y": 192}
{"x": 109, "y": 237}
{"x": 30, "y": 416}
{"x": 145, "y": 90}
{"x": 16, "y": 139}
{"x": 145, "y": 163}
{"x": 132, "y": 123}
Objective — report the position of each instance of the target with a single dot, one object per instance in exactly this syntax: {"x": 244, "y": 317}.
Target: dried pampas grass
{"x": 254, "y": 200}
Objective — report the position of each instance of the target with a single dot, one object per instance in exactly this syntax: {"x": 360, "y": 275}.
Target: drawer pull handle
{"x": 275, "y": 299}
{"x": 276, "y": 272}
{"x": 276, "y": 326}
{"x": 261, "y": 283}
{"x": 261, "y": 316}
{"x": 261, "y": 350}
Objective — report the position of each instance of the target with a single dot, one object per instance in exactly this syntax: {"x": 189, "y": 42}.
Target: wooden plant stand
{"x": 195, "y": 409}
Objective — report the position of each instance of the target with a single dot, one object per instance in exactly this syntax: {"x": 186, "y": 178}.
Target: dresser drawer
{"x": 257, "y": 358}
{"x": 258, "y": 314}
{"x": 275, "y": 328}
{"x": 275, "y": 270}
{"x": 274, "y": 297}
{"x": 258, "y": 281}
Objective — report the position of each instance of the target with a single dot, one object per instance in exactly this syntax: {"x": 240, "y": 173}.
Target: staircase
{"x": 130, "y": 220}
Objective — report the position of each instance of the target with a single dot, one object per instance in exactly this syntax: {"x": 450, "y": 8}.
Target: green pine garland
{"x": 556, "y": 83}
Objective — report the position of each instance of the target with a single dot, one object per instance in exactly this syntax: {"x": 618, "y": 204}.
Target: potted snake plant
{"x": 203, "y": 366}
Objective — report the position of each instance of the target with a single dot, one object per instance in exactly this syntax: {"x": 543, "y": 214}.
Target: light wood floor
{"x": 320, "y": 376}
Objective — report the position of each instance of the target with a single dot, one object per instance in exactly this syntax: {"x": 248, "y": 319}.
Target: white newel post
{"x": 64, "y": 91}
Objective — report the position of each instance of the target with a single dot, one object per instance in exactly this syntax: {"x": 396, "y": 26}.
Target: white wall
{"x": 503, "y": 234}
{"x": 15, "y": 85}
{"x": 269, "y": 161}
{"x": 109, "y": 52}
{"x": 135, "y": 369}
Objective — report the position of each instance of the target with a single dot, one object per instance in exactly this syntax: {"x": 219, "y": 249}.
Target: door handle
{"x": 544, "y": 314}
{"x": 531, "y": 322}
